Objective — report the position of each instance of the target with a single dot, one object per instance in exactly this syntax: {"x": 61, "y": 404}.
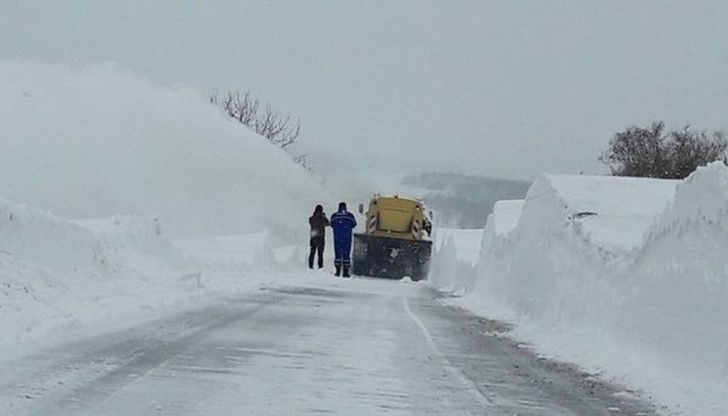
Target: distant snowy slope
{"x": 99, "y": 141}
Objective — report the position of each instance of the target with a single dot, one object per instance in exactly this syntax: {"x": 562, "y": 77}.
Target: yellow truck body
{"x": 395, "y": 242}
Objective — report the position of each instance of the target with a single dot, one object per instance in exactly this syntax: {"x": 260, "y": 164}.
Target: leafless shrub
{"x": 653, "y": 153}
{"x": 281, "y": 130}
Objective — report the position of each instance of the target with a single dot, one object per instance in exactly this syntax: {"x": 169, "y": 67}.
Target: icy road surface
{"x": 344, "y": 347}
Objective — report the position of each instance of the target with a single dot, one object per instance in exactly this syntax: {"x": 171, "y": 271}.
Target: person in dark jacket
{"x": 343, "y": 223}
{"x": 318, "y": 223}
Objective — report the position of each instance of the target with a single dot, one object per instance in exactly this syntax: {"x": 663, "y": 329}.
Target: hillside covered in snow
{"x": 112, "y": 189}
{"x": 100, "y": 141}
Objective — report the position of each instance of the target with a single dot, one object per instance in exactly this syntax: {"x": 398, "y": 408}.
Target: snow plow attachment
{"x": 396, "y": 241}
{"x": 391, "y": 258}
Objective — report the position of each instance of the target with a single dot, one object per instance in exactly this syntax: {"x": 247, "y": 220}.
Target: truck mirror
{"x": 361, "y": 208}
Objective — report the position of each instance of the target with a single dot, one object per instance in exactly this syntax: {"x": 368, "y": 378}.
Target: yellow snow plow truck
{"x": 394, "y": 243}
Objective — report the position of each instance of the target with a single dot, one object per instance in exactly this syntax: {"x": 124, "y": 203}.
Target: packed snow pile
{"x": 41, "y": 238}
{"x": 142, "y": 234}
{"x": 99, "y": 141}
{"x": 455, "y": 254}
{"x": 627, "y": 277}
{"x": 563, "y": 234}
{"x": 61, "y": 278}
{"x": 676, "y": 307}
{"x": 56, "y": 274}
{"x": 501, "y": 221}
{"x": 505, "y": 216}
{"x": 607, "y": 212}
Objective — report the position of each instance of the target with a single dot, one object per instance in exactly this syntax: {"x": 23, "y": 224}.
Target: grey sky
{"x": 503, "y": 88}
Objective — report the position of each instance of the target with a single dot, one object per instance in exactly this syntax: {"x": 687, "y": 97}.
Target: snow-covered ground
{"x": 99, "y": 141}
{"x": 626, "y": 277}
{"x": 123, "y": 200}
{"x": 63, "y": 279}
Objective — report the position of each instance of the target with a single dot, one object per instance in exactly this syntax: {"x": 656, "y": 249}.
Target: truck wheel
{"x": 419, "y": 272}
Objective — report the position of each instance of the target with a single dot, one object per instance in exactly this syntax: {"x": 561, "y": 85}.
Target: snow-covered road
{"x": 346, "y": 347}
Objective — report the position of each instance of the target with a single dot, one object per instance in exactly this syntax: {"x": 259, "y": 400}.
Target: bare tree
{"x": 651, "y": 152}
{"x": 690, "y": 149}
{"x": 280, "y": 130}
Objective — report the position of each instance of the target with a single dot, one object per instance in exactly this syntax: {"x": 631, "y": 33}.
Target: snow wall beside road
{"x": 624, "y": 276}
{"x": 41, "y": 238}
{"x": 62, "y": 279}
{"x": 455, "y": 254}
{"x": 677, "y": 307}
{"x": 57, "y": 275}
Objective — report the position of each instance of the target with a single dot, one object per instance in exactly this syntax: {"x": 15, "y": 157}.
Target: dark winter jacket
{"x": 318, "y": 223}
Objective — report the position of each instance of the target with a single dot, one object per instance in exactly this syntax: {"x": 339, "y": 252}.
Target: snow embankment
{"x": 675, "y": 311}
{"x": 455, "y": 253}
{"x": 42, "y": 238}
{"x": 61, "y": 279}
{"x": 626, "y": 277}
{"x": 551, "y": 264}
{"x": 57, "y": 275}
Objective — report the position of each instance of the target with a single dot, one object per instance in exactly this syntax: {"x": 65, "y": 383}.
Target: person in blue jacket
{"x": 343, "y": 223}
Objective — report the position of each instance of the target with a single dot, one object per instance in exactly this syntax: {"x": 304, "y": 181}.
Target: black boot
{"x": 338, "y": 270}
{"x": 346, "y": 271}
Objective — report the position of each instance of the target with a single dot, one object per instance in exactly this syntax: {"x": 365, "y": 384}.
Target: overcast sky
{"x": 502, "y": 88}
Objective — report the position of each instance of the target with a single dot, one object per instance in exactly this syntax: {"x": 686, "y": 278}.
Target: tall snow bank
{"x": 456, "y": 252}
{"x": 624, "y": 276}
{"x": 42, "y": 238}
{"x": 612, "y": 213}
{"x": 56, "y": 273}
{"x": 550, "y": 265}
{"x": 99, "y": 141}
{"x": 505, "y": 216}
{"x": 676, "y": 307}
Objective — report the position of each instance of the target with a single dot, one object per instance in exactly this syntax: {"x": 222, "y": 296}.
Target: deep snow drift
{"x": 455, "y": 254}
{"x": 627, "y": 277}
{"x": 57, "y": 275}
{"x": 99, "y": 141}
{"x": 101, "y": 173}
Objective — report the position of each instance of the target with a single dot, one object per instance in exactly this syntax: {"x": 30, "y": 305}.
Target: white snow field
{"x": 99, "y": 141}
{"x": 626, "y": 277}
{"x": 113, "y": 189}
{"x": 123, "y": 203}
